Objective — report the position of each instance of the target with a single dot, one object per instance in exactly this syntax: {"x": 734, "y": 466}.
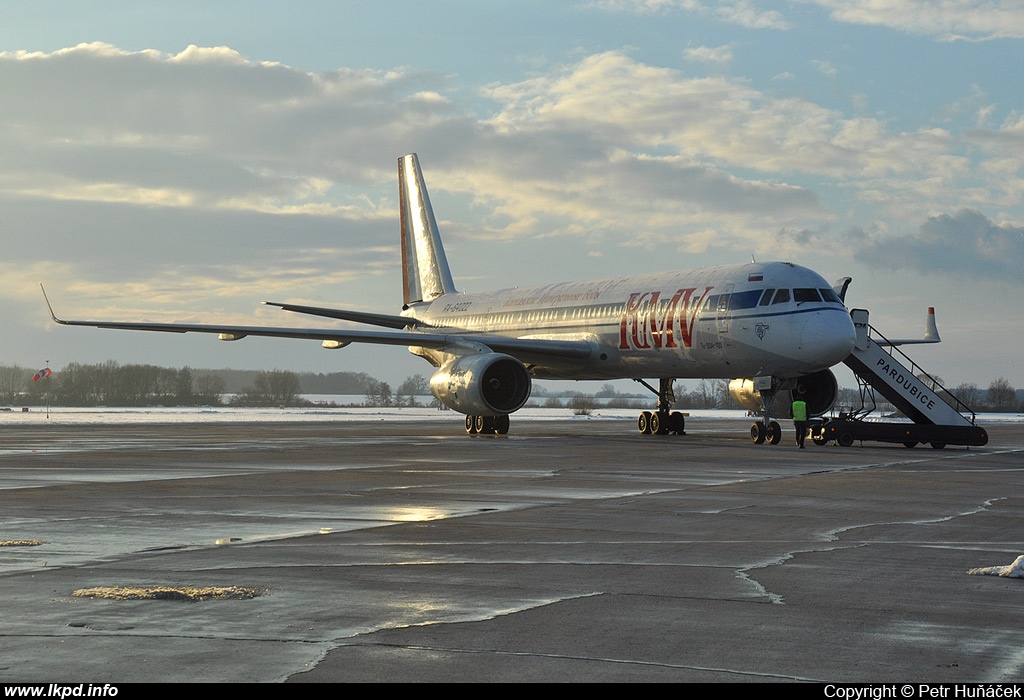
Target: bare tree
{"x": 208, "y": 388}
{"x": 413, "y": 386}
{"x": 969, "y": 393}
{"x": 1002, "y": 397}
{"x": 582, "y": 404}
{"x": 13, "y": 381}
{"x": 379, "y": 395}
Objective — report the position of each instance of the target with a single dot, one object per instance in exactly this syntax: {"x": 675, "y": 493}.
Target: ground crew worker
{"x": 799, "y": 413}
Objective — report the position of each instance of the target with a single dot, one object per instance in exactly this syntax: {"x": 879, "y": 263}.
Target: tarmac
{"x": 567, "y": 551}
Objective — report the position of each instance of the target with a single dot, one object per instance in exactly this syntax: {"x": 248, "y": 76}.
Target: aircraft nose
{"x": 829, "y": 336}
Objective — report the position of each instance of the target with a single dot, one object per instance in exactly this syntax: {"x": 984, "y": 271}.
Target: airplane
{"x": 776, "y": 326}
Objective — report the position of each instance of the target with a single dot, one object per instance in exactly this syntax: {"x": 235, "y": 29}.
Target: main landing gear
{"x": 663, "y": 421}
{"x": 766, "y": 431}
{"x": 487, "y": 425}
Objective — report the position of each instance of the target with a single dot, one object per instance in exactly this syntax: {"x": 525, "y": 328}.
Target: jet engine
{"x": 819, "y": 390}
{"x": 482, "y": 384}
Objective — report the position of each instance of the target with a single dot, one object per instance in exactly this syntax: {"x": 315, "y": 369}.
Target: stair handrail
{"x": 940, "y": 391}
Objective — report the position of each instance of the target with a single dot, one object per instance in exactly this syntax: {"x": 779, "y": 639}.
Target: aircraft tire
{"x": 677, "y": 423}
{"x": 501, "y": 424}
{"x": 643, "y": 422}
{"x": 774, "y": 433}
{"x": 757, "y": 433}
{"x": 471, "y": 425}
{"x": 659, "y": 423}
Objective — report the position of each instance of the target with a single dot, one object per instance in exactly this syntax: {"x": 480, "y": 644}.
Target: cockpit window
{"x": 801, "y": 295}
{"x": 781, "y": 296}
{"x": 829, "y": 294}
{"x": 766, "y": 299}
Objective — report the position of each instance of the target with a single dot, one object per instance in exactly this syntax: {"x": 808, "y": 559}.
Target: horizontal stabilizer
{"x": 382, "y": 320}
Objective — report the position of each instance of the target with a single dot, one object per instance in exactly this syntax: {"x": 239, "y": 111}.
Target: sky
{"x": 185, "y": 161}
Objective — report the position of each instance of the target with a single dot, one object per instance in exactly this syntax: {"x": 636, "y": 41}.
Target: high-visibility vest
{"x": 799, "y": 410}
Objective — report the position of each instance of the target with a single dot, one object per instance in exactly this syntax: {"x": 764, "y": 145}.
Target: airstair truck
{"x": 933, "y": 415}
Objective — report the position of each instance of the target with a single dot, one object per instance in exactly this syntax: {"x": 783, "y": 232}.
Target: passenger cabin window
{"x": 806, "y": 294}
{"x": 781, "y": 296}
{"x": 745, "y": 300}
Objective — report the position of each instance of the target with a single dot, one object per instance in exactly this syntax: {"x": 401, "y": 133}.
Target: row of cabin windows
{"x": 720, "y": 302}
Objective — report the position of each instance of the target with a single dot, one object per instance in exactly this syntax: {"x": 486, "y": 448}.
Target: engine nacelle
{"x": 482, "y": 384}
{"x": 819, "y": 390}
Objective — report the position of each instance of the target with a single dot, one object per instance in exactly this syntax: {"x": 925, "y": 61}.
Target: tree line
{"x": 113, "y": 384}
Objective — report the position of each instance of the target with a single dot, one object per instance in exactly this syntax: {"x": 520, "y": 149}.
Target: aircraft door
{"x": 724, "y": 315}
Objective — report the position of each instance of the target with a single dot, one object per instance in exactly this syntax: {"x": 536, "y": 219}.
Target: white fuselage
{"x": 709, "y": 322}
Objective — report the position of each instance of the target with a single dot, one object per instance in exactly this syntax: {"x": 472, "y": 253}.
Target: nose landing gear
{"x": 761, "y": 433}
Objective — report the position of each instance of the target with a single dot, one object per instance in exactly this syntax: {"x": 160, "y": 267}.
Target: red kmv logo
{"x": 648, "y": 322}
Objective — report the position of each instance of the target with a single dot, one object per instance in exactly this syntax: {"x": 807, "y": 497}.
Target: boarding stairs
{"x": 938, "y": 417}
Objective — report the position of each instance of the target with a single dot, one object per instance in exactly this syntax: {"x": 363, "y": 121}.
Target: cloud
{"x": 825, "y": 68}
{"x": 740, "y": 12}
{"x": 966, "y": 244}
{"x": 710, "y": 54}
{"x": 947, "y": 20}
{"x": 609, "y": 101}
{"x": 213, "y": 163}
{"x": 205, "y": 127}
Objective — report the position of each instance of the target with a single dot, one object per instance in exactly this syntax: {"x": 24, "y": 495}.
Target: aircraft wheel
{"x": 844, "y": 439}
{"x": 501, "y": 424}
{"x": 643, "y": 422}
{"x": 938, "y": 445}
{"x": 677, "y": 423}
{"x": 910, "y": 444}
{"x": 757, "y": 433}
{"x": 774, "y": 433}
{"x": 659, "y": 423}
{"x": 471, "y": 425}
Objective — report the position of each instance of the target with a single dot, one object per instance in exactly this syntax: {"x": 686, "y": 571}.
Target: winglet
{"x": 931, "y": 334}
{"x": 48, "y": 306}
{"x": 931, "y": 331}
{"x": 840, "y": 287}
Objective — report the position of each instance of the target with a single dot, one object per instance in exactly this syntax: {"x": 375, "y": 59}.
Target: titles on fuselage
{"x": 645, "y": 323}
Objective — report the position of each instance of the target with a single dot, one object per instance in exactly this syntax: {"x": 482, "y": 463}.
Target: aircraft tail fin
{"x": 425, "y": 273}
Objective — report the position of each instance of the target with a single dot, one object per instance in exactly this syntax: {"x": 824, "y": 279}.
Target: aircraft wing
{"x": 931, "y": 334}
{"x": 456, "y": 343}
